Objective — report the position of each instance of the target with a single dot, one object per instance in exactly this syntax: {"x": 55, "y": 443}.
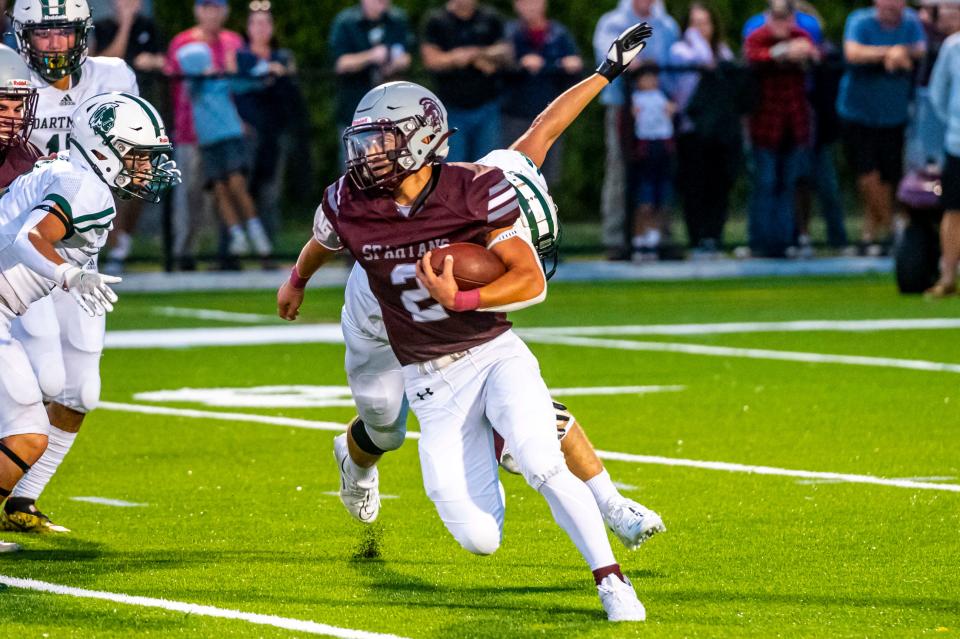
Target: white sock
{"x": 40, "y": 474}
{"x": 576, "y": 513}
{"x": 358, "y": 472}
{"x": 603, "y": 489}
{"x": 652, "y": 238}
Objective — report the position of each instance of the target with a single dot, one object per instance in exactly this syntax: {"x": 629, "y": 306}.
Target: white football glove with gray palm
{"x": 624, "y": 50}
{"x": 90, "y": 289}
{"x": 170, "y": 166}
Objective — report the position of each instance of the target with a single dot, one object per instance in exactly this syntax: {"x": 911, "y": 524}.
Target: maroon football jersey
{"x": 16, "y": 161}
{"x": 466, "y": 203}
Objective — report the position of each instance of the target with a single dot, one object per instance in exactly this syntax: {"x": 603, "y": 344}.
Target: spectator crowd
{"x": 678, "y": 131}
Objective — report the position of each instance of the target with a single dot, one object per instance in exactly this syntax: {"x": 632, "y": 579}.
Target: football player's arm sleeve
{"x": 324, "y": 232}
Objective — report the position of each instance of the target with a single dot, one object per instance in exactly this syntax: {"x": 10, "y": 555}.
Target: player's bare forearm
{"x": 44, "y": 247}
{"x": 523, "y": 281}
{"x": 44, "y": 235}
{"x": 313, "y": 255}
{"x": 290, "y": 295}
{"x": 557, "y": 117}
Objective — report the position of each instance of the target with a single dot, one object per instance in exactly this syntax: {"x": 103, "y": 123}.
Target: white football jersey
{"x": 87, "y": 203}
{"x": 55, "y": 107}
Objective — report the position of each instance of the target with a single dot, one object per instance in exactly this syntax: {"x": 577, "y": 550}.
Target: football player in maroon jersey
{"x": 463, "y": 368}
{"x": 18, "y": 107}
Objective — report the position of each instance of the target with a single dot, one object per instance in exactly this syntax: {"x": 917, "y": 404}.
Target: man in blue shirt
{"x": 657, "y": 52}
{"x": 881, "y": 44}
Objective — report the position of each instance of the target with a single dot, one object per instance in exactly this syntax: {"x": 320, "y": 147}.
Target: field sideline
{"x": 798, "y": 437}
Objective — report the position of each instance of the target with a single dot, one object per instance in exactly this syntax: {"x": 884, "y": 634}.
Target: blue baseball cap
{"x": 219, "y": 3}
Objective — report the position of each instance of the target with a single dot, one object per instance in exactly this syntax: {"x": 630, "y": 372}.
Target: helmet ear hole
{"x": 100, "y": 156}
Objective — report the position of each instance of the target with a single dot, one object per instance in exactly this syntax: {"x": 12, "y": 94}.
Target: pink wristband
{"x": 466, "y": 300}
{"x": 296, "y": 281}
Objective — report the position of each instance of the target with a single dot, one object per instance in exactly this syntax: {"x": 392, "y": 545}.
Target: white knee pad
{"x": 50, "y": 375}
{"x": 481, "y": 536}
{"x": 538, "y": 463}
{"x": 391, "y": 437}
{"x": 81, "y": 395}
{"x": 81, "y": 344}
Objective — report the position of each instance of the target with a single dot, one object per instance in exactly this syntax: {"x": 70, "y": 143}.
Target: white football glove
{"x": 170, "y": 166}
{"x": 624, "y": 50}
{"x": 90, "y": 289}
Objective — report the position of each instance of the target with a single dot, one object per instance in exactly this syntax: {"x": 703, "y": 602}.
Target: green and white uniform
{"x": 55, "y": 107}
{"x": 63, "y": 342}
{"x": 88, "y": 211}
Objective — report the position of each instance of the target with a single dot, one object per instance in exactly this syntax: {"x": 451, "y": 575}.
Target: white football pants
{"x": 64, "y": 346}
{"x": 495, "y": 385}
{"x": 21, "y": 403}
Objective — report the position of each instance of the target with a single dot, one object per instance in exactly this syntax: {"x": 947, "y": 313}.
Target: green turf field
{"x": 235, "y": 514}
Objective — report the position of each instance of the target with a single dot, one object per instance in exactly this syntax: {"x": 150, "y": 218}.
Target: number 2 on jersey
{"x": 413, "y": 297}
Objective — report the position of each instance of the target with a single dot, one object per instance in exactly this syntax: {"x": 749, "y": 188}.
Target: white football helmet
{"x": 52, "y": 35}
{"x": 15, "y": 86}
{"x": 398, "y": 128}
{"x": 121, "y": 138}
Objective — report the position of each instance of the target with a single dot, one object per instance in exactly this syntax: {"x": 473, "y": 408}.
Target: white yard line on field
{"x": 603, "y": 454}
{"x": 286, "y": 623}
{"x": 749, "y": 353}
{"x": 334, "y": 493}
{"x": 770, "y": 470}
{"x": 614, "y": 390}
{"x": 802, "y": 326}
{"x": 215, "y": 315}
{"x": 103, "y": 501}
{"x": 330, "y": 333}
{"x": 226, "y": 336}
{"x": 229, "y": 417}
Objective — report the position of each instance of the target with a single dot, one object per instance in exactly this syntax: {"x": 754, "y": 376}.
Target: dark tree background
{"x": 304, "y": 27}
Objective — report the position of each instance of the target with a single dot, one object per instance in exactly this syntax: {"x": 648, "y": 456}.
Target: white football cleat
{"x": 619, "y": 600}
{"x": 631, "y": 522}
{"x": 9, "y": 546}
{"x": 362, "y": 498}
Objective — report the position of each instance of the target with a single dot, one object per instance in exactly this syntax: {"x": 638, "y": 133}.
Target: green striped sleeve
{"x": 94, "y": 216}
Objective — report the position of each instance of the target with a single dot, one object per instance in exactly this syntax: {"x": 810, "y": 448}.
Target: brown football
{"x": 473, "y": 265}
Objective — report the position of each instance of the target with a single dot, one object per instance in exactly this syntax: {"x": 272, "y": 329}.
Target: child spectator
{"x": 222, "y": 149}
{"x": 653, "y": 133}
